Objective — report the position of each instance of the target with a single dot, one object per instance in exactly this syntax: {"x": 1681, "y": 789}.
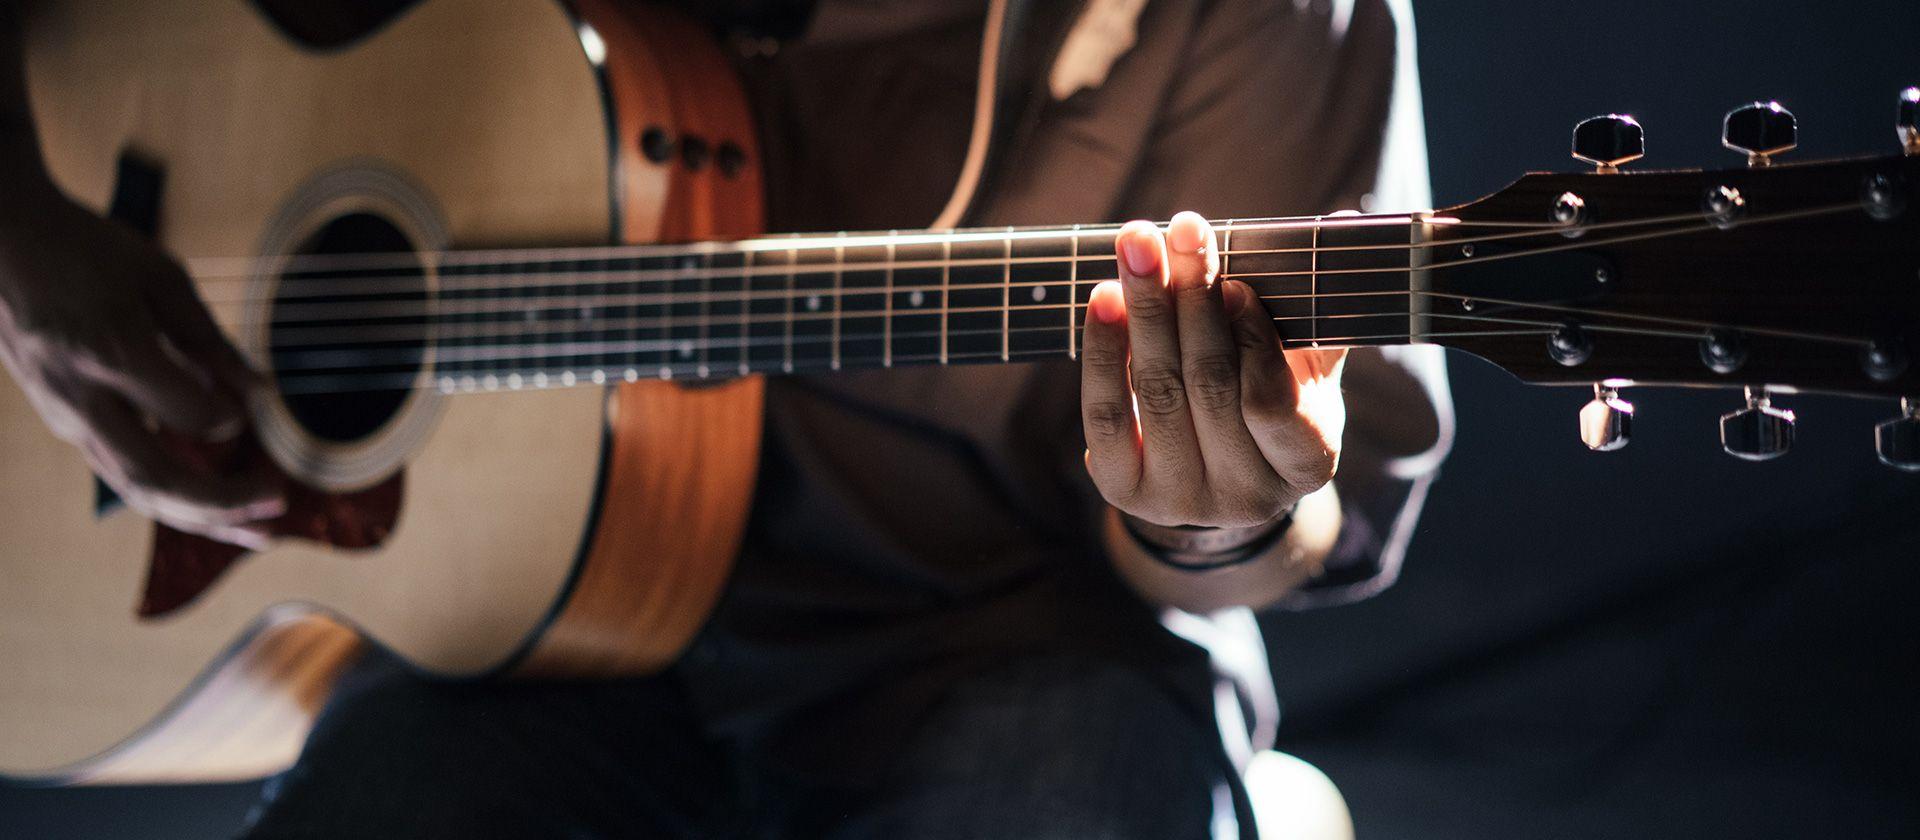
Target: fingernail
{"x": 1237, "y": 296}
{"x": 1141, "y": 253}
{"x": 1188, "y": 232}
{"x": 1107, "y": 303}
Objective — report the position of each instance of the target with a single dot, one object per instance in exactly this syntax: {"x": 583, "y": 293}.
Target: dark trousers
{"x": 1039, "y": 748}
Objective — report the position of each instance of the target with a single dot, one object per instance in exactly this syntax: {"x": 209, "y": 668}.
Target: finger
{"x": 185, "y": 322}
{"x": 1270, "y": 396}
{"x": 156, "y": 380}
{"x": 132, "y": 460}
{"x": 1209, "y": 360}
{"x": 1106, "y": 401}
{"x": 1171, "y": 452}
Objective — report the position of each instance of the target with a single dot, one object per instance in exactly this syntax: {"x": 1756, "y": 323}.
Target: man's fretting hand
{"x": 106, "y": 337}
{"x": 1194, "y": 414}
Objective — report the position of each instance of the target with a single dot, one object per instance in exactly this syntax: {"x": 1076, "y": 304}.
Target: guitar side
{"x": 564, "y": 532}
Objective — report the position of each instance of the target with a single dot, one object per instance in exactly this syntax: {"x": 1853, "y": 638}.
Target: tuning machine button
{"x": 1759, "y": 432}
{"x": 1606, "y": 422}
{"x": 1897, "y": 441}
{"x": 1608, "y": 141}
{"x": 1908, "y": 123}
{"x": 1760, "y": 131}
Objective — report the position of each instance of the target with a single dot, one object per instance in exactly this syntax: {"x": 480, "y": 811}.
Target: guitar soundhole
{"x": 349, "y": 327}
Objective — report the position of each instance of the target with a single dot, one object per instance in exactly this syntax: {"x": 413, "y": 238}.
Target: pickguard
{"x": 183, "y": 565}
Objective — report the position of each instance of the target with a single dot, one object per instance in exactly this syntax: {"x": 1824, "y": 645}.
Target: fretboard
{"x": 499, "y": 320}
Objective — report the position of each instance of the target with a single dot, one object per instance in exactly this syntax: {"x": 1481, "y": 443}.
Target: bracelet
{"x": 1195, "y": 548}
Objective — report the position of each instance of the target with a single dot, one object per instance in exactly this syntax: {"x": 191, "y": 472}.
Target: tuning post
{"x": 1570, "y": 213}
{"x": 1884, "y": 359}
{"x": 1761, "y": 131}
{"x": 1897, "y": 441}
{"x": 1724, "y": 206}
{"x": 1606, "y": 422}
{"x": 1908, "y": 122}
{"x": 1758, "y": 432}
{"x": 1723, "y": 350}
{"x": 1882, "y": 198}
{"x": 1608, "y": 141}
{"x": 1570, "y": 345}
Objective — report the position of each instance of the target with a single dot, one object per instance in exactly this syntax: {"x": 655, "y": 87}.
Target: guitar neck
{"x": 809, "y": 303}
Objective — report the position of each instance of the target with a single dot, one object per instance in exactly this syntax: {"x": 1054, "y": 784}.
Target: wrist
{"x": 1200, "y": 548}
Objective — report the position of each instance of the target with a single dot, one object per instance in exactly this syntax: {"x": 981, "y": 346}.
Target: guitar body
{"x": 563, "y": 532}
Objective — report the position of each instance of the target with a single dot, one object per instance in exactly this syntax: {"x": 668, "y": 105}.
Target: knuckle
{"x": 1149, "y": 305}
{"x": 1108, "y": 419}
{"x": 1160, "y": 391}
{"x": 1103, "y": 354}
{"x": 1214, "y": 382}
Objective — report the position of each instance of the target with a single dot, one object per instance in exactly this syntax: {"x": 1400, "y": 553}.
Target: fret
{"x": 726, "y": 286}
{"x": 839, "y": 263}
{"x": 1006, "y": 295}
{"x": 1073, "y": 295}
{"x": 1039, "y": 285}
{"x": 815, "y": 281}
{"x": 946, "y": 280}
{"x": 1278, "y": 266}
{"x": 1364, "y": 274}
{"x": 863, "y": 306}
{"x": 886, "y": 329}
{"x": 769, "y": 311}
{"x": 650, "y": 315}
{"x": 686, "y": 316}
{"x": 976, "y": 300}
{"x": 1097, "y": 263}
{"x": 919, "y": 305}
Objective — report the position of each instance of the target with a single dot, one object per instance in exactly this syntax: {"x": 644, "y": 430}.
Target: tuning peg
{"x": 1760, "y": 131}
{"x": 1609, "y": 141}
{"x": 1759, "y": 432}
{"x": 1908, "y": 123}
{"x": 1606, "y": 422}
{"x": 1898, "y": 440}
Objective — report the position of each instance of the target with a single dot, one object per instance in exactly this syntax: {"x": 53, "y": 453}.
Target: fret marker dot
{"x": 567, "y": 378}
{"x": 467, "y": 383}
{"x": 447, "y": 385}
{"x": 1039, "y": 293}
{"x": 599, "y": 377}
{"x": 492, "y": 382}
{"x": 513, "y": 381}
{"x": 633, "y": 375}
{"x": 539, "y": 380}
{"x": 918, "y": 297}
{"x": 813, "y": 303}
{"x": 686, "y": 349}
{"x": 666, "y": 372}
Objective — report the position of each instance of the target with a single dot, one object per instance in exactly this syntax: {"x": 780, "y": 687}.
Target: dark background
{"x": 1659, "y": 642}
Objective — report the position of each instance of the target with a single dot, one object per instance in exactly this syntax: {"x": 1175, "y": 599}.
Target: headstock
{"x": 1771, "y": 279}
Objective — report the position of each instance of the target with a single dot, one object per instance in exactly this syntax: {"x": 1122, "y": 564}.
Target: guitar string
{"x": 311, "y": 384}
{"x": 380, "y": 284}
{"x": 396, "y": 332}
{"x": 375, "y": 357}
{"x": 424, "y": 306}
{"x": 241, "y": 267}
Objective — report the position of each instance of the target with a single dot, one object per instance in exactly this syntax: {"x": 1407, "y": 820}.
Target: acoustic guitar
{"x": 436, "y": 242}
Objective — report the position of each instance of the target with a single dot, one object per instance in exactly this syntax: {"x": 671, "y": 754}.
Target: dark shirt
{"x": 915, "y": 525}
